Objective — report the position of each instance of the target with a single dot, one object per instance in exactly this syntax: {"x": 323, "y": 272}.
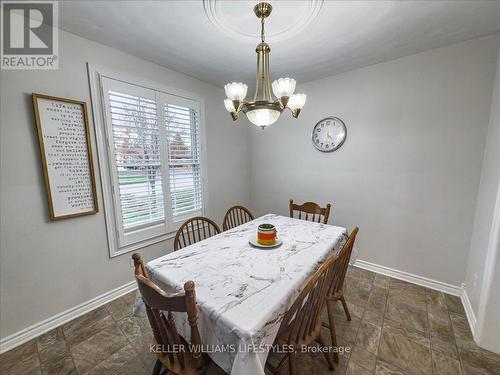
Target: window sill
{"x": 143, "y": 244}
{"x": 151, "y": 241}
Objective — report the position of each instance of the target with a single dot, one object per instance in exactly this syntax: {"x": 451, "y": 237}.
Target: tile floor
{"x": 396, "y": 328}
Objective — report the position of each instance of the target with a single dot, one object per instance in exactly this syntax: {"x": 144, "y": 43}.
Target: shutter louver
{"x": 182, "y": 130}
{"x": 136, "y": 143}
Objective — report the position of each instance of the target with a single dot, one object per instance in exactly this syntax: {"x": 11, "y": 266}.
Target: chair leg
{"x": 275, "y": 369}
{"x": 157, "y": 368}
{"x": 344, "y": 304}
{"x": 282, "y": 361}
{"x": 272, "y": 369}
{"x": 333, "y": 335}
{"x": 292, "y": 363}
{"x": 326, "y": 354}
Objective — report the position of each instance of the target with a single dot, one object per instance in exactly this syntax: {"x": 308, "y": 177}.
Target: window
{"x": 183, "y": 159}
{"x": 153, "y": 151}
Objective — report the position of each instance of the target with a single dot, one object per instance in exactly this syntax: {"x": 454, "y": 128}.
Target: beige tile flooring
{"x": 396, "y": 328}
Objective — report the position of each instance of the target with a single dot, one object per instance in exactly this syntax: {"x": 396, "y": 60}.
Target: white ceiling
{"x": 215, "y": 40}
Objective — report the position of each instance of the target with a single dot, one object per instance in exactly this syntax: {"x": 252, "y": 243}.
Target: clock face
{"x": 329, "y": 134}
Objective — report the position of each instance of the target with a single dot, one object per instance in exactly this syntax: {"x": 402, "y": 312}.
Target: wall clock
{"x": 329, "y": 134}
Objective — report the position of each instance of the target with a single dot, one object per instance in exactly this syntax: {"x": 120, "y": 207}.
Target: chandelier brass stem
{"x": 262, "y": 84}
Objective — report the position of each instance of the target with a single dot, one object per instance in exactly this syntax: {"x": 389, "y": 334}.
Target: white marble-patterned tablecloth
{"x": 243, "y": 292}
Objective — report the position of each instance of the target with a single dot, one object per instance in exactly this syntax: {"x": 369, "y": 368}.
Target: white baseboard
{"x": 459, "y": 291}
{"x": 18, "y": 338}
{"x": 471, "y": 317}
{"x": 411, "y": 278}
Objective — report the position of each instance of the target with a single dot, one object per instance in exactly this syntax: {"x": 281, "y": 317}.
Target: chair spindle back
{"x": 159, "y": 307}
{"x": 194, "y": 230}
{"x": 302, "y": 322}
{"x": 235, "y": 216}
{"x": 310, "y": 211}
{"x": 340, "y": 266}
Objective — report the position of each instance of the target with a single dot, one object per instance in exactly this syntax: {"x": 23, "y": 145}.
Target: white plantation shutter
{"x": 183, "y": 135}
{"x": 153, "y": 150}
{"x": 136, "y": 141}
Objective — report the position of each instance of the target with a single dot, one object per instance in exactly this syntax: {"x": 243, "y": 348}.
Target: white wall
{"x": 48, "y": 267}
{"x": 409, "y": 171}
{"x": 484, "y": 261}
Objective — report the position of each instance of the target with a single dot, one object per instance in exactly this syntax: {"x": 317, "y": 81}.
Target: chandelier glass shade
{"x": 264, "y": 109}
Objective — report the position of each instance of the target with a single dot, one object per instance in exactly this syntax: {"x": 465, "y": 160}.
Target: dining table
{"x": 242, "y": 291}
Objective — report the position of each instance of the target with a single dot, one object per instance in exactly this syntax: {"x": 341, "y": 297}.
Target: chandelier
{"x": 263, "y": 110}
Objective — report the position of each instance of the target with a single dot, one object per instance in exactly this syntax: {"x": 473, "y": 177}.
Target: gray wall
{"x": 409, "y": 171}
{"x": 485, "y": 237}
{"x": 490, "y": 321}
{"x": 483, "y": 219}
{"x": 408, "y": 174}
{"x": 48, "y": 267}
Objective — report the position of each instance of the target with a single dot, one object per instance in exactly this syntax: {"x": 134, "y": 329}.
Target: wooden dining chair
{"x": 336, "y": 291}
{"x": 301, "y": 324}
{"x": 310, "y": 211}
{"x": 194, "y": 230}
{"x": 235, "y": 216}
{"x": 159, "y": 307}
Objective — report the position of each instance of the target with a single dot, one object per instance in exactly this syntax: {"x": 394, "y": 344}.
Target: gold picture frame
{"x": 51, "y": 199}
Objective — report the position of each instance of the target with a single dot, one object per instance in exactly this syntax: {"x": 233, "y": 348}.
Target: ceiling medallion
{"x": 216, "y": 12}
{"x": 263, "y": 110}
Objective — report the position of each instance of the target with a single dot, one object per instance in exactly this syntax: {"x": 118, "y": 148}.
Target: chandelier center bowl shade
{"x": 265, "y": 108}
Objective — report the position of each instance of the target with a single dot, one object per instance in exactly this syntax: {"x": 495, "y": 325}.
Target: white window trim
{"x": 95, "y": 74}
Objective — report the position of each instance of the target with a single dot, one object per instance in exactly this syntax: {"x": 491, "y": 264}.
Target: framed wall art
{"x": 66, "y": 155}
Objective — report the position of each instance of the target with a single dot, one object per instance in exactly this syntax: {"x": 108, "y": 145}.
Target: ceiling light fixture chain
{"x": 263, "y": 110}
{"x": 262, "y": 35}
